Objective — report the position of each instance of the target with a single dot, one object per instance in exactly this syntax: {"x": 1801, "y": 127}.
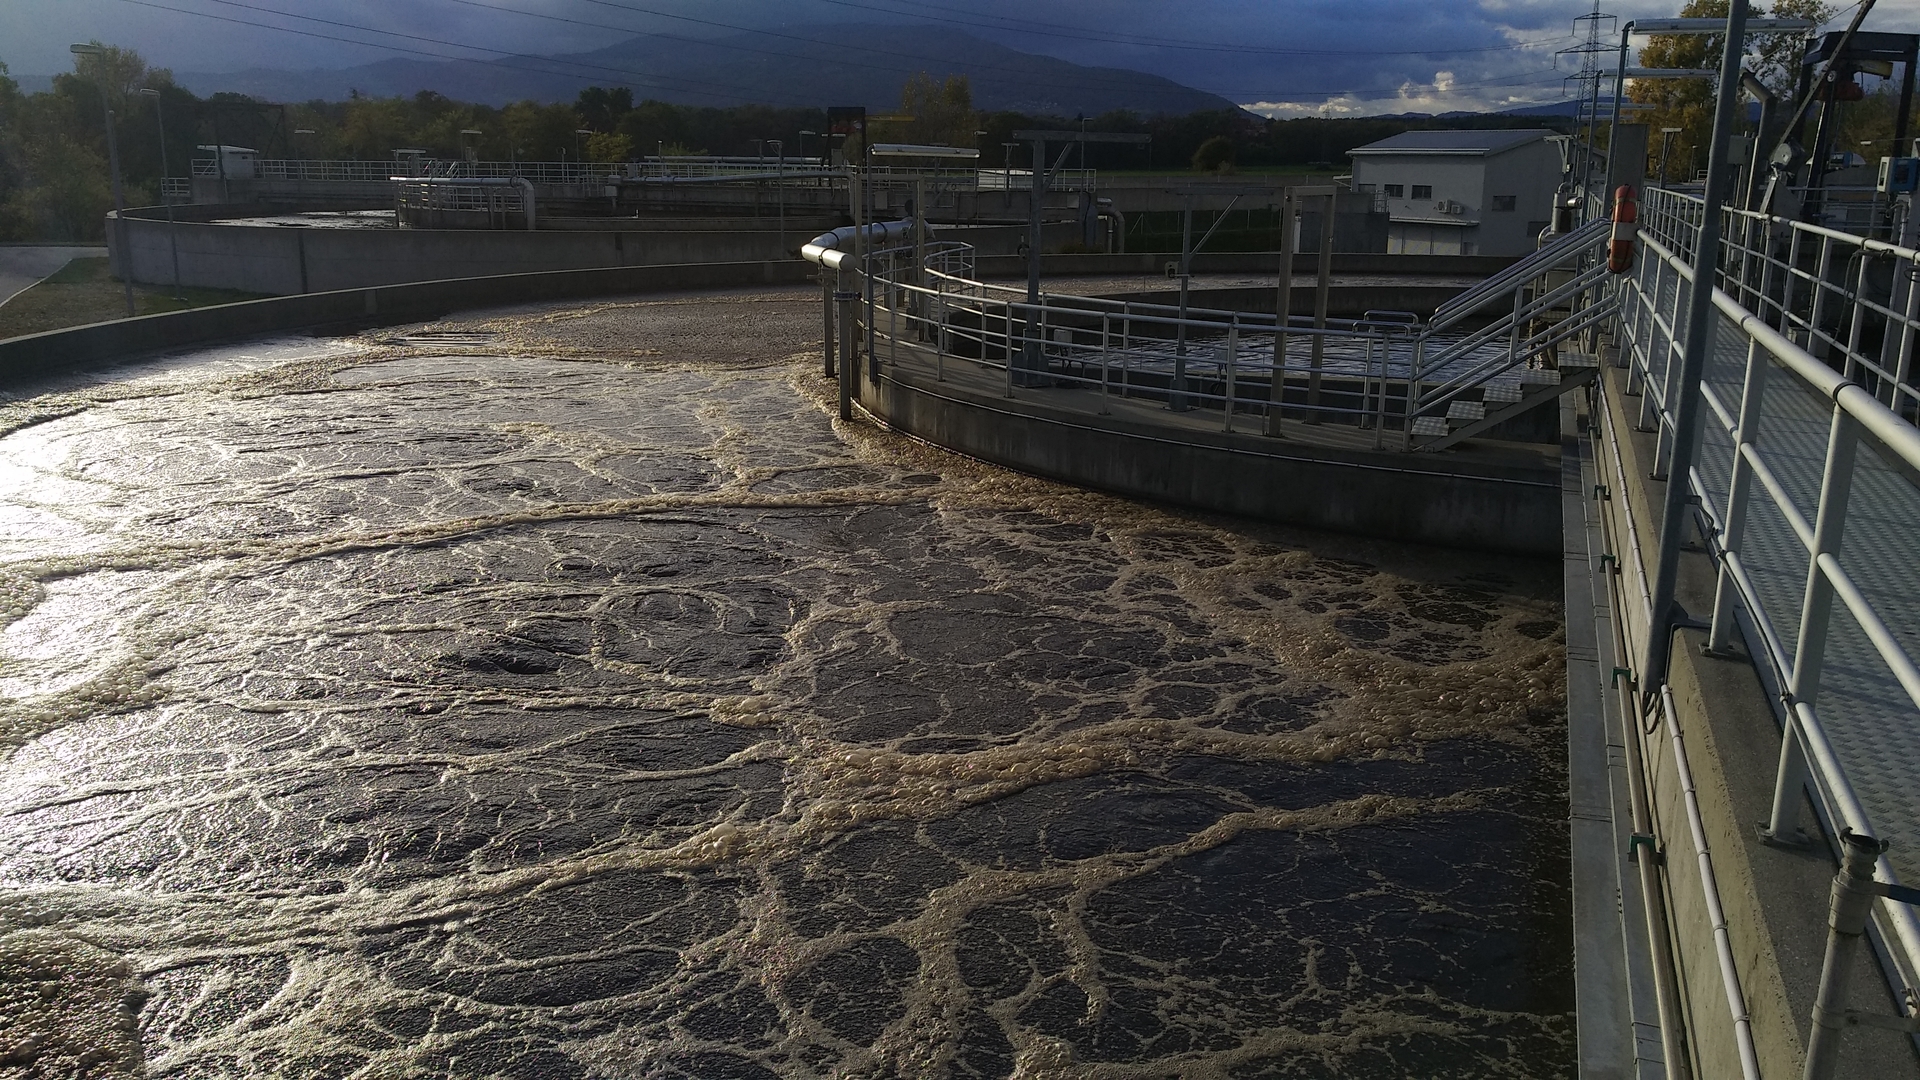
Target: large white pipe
{"x": 828, "y": 249}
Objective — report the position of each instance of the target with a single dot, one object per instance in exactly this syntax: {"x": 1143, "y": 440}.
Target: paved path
{"x": 22, "y": 266}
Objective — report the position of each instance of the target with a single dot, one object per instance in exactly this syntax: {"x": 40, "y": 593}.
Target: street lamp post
{"x": 173, "y": 227}
{"x": 1666, "y": 141}
{"x": 113, "y": 166}
{"x": 780, "y": 180}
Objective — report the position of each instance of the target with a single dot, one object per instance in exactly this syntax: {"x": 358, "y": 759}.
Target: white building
{"x": 1461, "y": 192}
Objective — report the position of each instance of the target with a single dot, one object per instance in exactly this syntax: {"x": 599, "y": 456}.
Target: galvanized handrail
{"x": 1742, "y": 460}
{"x": 1403, "y": 369}
{"x": 1134, "y": 349}
{"x": 1850, "y": 300}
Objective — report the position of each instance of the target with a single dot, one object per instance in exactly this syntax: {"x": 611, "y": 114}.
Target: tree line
{"x": 53, "y": 144}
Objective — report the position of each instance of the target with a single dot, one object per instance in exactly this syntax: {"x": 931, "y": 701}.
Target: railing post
{"x": 1820, "y": 291}
{"x": 1106, "y": 329}
{"x": 1413, "y": 387}
{"x": 1739, "y": 491}
{"x": 1008, "y": 341}
{"x": 1233, "y": 355}
{"x": 1816, "y": 610}
{"x": 1851, "y": 348}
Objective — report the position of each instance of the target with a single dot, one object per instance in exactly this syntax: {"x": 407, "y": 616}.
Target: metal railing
{"x": 421, "y": 196}
{"x": 1850, "y": 301}
{"x": 1780, "y": 479}
{"x": 791, "y": 172}
{"x": 1355, "y": 372}
{"x": 1381, "y": 373}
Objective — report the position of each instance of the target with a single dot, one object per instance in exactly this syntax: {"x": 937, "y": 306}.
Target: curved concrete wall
{"x": 1496, "y": 502}
{"x": 291, "y": 260}
{"x": 345, "y": 310}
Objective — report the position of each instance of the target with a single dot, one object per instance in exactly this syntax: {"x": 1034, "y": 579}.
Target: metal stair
{"x": 1535, "y": 387}
{"x": 1516, "y": 361}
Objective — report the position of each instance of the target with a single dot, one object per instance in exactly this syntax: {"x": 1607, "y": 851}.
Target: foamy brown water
{"x": 562, "y": 693}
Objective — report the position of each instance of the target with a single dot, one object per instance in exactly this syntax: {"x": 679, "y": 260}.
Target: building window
{"x": 1503, "y": 204}
{"x": 1423, "y": 191}
{"x": 1395, "y": 191}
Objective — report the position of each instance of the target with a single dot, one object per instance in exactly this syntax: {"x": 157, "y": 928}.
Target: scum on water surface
{"x": 562, "y": 693}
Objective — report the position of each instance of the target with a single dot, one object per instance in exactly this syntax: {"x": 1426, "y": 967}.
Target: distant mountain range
{"x": 854, "y": 65}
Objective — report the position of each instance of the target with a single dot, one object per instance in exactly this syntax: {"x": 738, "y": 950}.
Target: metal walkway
{"x": 1807, "y": 495}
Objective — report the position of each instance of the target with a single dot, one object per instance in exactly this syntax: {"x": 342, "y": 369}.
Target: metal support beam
{"x": 1686, "y": 400}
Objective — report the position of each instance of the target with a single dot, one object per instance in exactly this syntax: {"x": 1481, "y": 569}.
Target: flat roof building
{"x": 1462, "y": 192}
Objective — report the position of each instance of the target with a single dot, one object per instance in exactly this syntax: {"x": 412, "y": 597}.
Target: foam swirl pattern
{"x": 562, "y": 693}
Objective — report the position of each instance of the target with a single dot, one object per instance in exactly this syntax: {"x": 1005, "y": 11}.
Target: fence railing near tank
{"x": 790, "y": 172}
{"x": 1850, "y": 301}
{"x": 1802, "y": 446}
{"x": 421, "y": 196}
{"x": 1350, "y": 371}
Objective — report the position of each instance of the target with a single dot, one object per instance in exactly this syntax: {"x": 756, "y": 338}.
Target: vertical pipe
{"x": 1038, "y": 196}
{"x": 1177, "y": 397}
{"x": 1320, "y": 295}
{"x": 1816, "y": 609}
{"x": 1739, "y": 490}
{"x": 826, "y": 305}
{"x": 1282, "y": 311}
{"x": 120, "y": 202}
{"x": 1849, "y": 907}
{"x": 848, "y": 371}
{"x": 1676, "y": 510}
{"x": 1851, "y": 349}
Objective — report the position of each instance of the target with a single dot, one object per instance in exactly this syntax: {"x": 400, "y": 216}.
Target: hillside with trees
{"x": 53, "y": 147}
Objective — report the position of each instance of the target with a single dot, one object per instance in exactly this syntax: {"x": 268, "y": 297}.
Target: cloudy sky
{"x": 1282, "y": 57}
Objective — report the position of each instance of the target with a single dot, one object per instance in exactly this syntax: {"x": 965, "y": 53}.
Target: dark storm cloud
{"x": 1292, "y": 55}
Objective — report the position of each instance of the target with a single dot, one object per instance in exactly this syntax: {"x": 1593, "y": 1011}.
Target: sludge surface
{"x": 562, "y": 694}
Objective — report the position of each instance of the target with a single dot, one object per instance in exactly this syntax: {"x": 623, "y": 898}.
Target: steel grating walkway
{"x": 1867, "y": 715}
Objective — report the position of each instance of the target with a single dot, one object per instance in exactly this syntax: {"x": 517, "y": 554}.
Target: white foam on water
{"x": 583, "y": 700}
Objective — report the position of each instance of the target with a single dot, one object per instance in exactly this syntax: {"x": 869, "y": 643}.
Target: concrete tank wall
{"x": 282, "y": 260}
{"x": 290, "y": 260}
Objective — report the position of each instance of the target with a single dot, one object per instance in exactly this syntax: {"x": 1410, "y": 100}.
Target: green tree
{"x": 942, "y": 112}
{"x": 1687, "y": 104}
{"x": 609, "y": 146}
{"x": 1215, "y": 155}
{"x": 602, "y": 109}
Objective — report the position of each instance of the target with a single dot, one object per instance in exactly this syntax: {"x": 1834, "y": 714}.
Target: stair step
{"x": 1429, "y": 425}
{"x": 1466, "y": 411}
{"x": 1572, "y": 360}
{"x": 1503, "y": 392}
{"x": 1538, "y": 377}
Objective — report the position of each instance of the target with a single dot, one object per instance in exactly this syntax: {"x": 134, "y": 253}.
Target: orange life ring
{"x": 1626, "y": 219}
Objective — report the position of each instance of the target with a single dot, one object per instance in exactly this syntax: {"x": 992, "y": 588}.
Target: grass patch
{"x": 85, "y": 291}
